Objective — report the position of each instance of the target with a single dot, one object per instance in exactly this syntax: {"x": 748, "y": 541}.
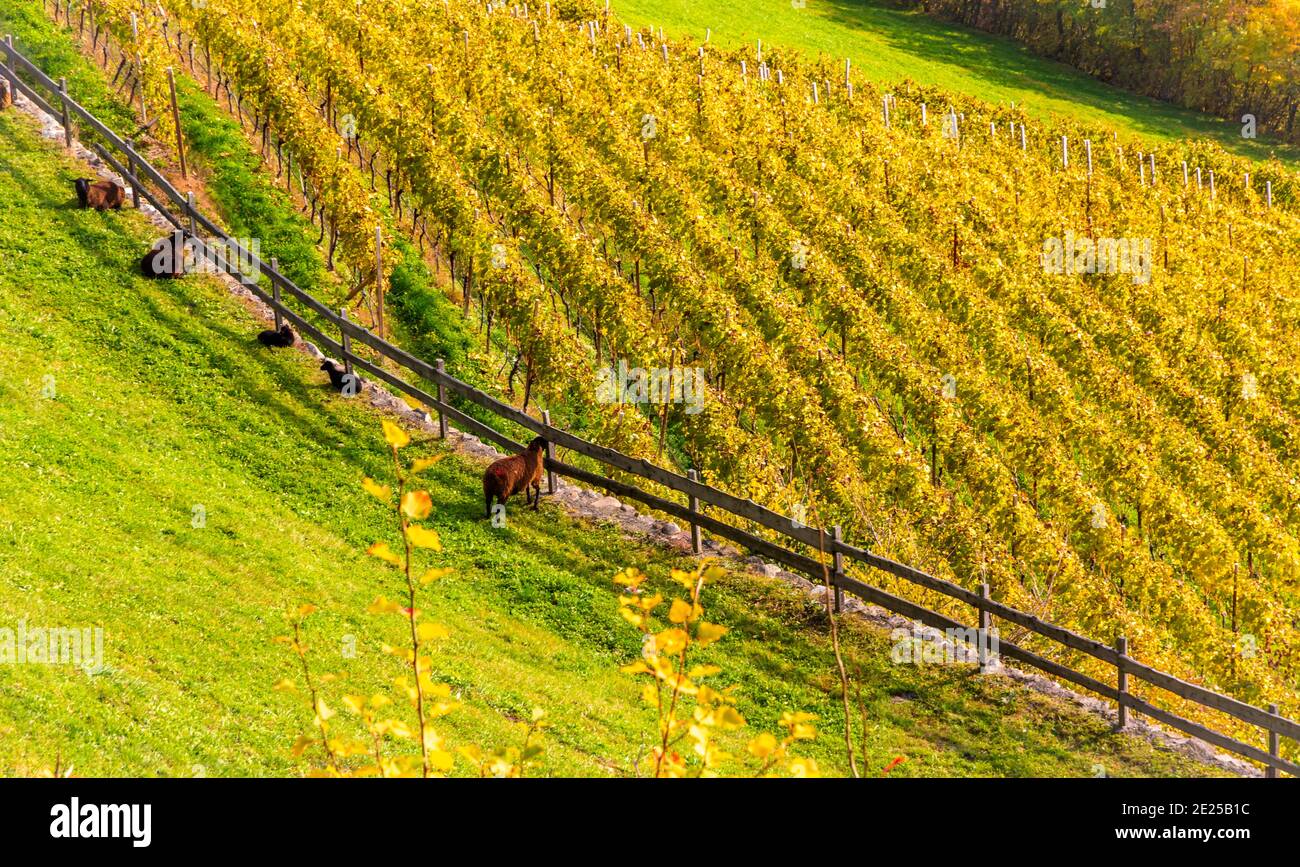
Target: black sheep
{"x": 100, "y": 195}
{"x": 165, "y": 259}
{"x": 340, "y": 378}
{"x": 282, "y": 337}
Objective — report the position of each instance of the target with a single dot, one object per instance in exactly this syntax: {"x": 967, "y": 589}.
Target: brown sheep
{"x": 5, "y": 99}
{"x": 509, "y": 476}
{"x": 100, "y": 195}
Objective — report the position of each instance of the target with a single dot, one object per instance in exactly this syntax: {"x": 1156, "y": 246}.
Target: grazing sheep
{"x": 165, "y": 259}
{"x": 509, "y": 476}
{"x": 100, "y": 195}
{"x": 281, "y": 337}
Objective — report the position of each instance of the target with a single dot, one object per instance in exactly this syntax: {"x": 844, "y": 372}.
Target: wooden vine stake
{"x": 135, "y": 40}
{"x": 176, "y": 120}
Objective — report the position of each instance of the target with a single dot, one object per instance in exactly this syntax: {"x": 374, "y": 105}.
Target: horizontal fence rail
{"x": 137, "y": 172}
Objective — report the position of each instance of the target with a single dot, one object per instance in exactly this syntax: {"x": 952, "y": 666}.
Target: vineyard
{"x": 858, "y": 272}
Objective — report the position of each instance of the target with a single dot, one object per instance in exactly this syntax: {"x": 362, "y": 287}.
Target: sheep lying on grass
{"x": 165, "y": 259}
{"x": 100, "y": 195}
{"x": 348, "y": 383}
{"x": 509, "y": 476}
{"x": 281, "y": 337}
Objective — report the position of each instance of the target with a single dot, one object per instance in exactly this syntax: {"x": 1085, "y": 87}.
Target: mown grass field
{"x": 162, "y": 402}
{"x": 889, "y": 44}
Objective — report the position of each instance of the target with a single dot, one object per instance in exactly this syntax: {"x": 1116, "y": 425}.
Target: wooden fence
{"x": 26, "y": 78}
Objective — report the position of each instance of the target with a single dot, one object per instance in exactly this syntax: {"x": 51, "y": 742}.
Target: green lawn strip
{"x": 890, "y": 45}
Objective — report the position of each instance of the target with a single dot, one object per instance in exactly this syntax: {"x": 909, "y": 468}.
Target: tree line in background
{"x": 1227, "y": 57}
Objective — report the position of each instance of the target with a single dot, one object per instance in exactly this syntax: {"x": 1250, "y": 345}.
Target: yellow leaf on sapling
{"x": 382, "y": 606}
{"x": 709, "y": 633}
{"x": 383, "y": 552}
{"x": 432, "y": 631}
{"x": 419, "y": 465}
{"x": 394, "y": 435}
{"x": 424, "y": 538}
{"x": 376, "y": 490}
{"x": 417, "y": 504}
{"x": 436, "y": 573}
{"x": 680, "y": 611}
{"x": 762, "y": 746}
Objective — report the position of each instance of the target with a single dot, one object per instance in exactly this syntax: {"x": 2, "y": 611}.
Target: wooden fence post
{"x": 694, "y": 501}
{"x": 838, "y": 561}
{"x": 10, "y": 65}
{"x": 441, "y": 367}
{"x": 550, "y": 454}
{"x": 1271, "y": 772}
{"x": 130, "y": 167}
{"x": 379, "y": 278}
{"x": 67, "y": 115}
{"x": 275, "y": 293}
{"x": 176, "y": 121}
{"x": 347, "y": 342}
{"x": 190, "y": 209}
{"x": 985, "y": 621}
{"x": 1121, "y": 647}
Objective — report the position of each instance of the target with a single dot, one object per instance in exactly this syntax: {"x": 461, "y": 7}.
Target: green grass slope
{"x": 124, "y": 404}
{"x": 888, "y": 45}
